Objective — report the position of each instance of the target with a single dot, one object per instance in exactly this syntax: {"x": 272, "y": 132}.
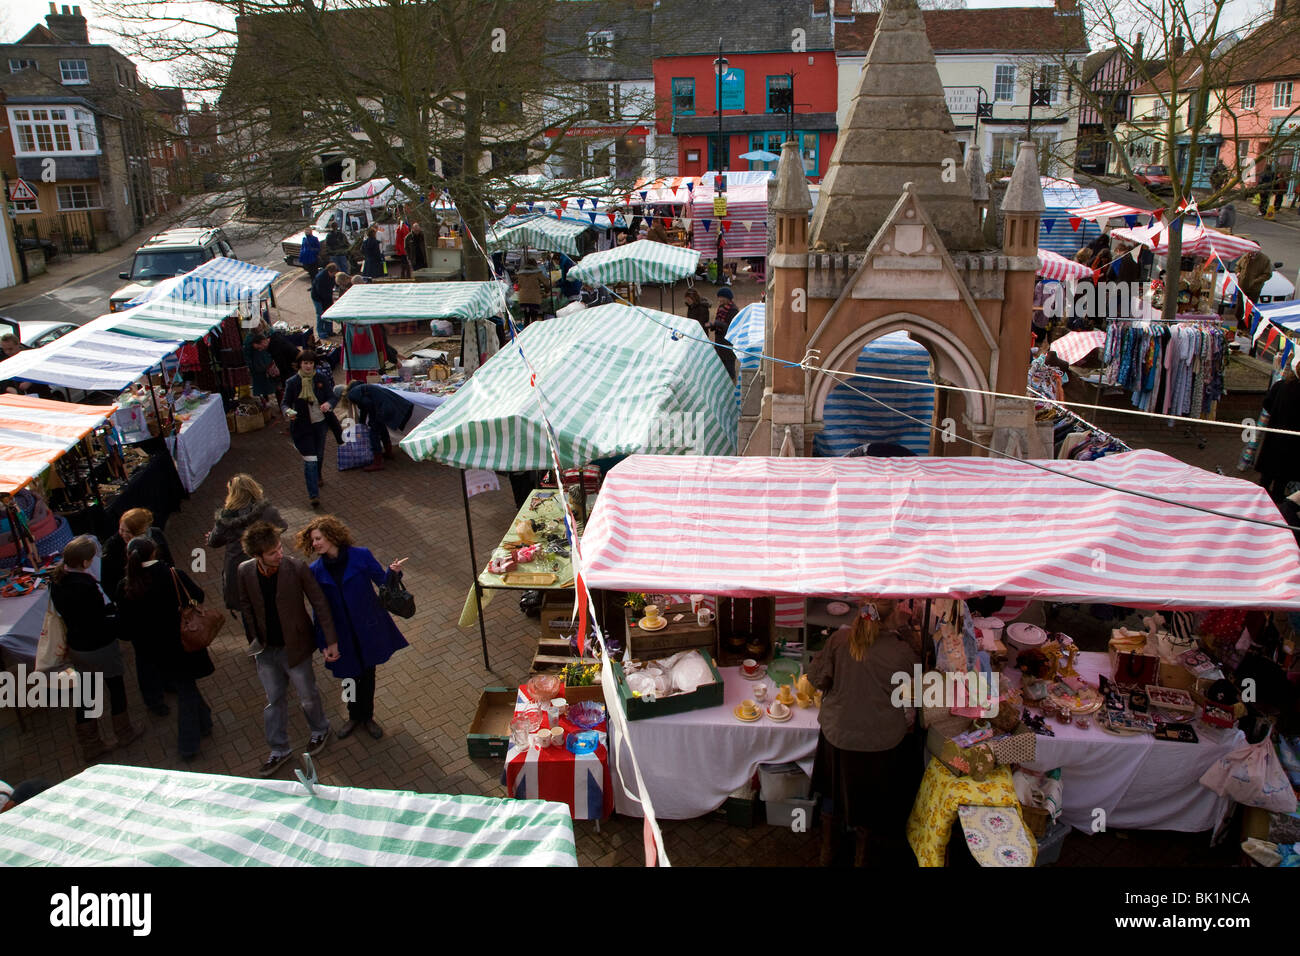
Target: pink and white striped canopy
{"x": 1197, "y": 240}
{"x": 939, "y": 527}
{"x": 1074, "y": 346}
{"x": 1107, "y": 210}
{"x": 1053, "y": 265}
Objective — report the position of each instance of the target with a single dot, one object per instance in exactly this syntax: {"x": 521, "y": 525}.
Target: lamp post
{"x": 719, "y": 67}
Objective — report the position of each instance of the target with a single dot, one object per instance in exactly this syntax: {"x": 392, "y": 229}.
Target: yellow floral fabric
{"x": 935, "y": 811}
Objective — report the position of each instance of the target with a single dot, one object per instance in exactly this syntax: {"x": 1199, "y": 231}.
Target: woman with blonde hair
{"x": 862, "y": 764}
{"x": 367, "y": 636}
{"x": 245, "y": 505}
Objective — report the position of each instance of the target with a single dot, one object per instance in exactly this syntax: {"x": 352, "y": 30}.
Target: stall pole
{"x": 157, "y": 414}
{"x": 473, "y": 561}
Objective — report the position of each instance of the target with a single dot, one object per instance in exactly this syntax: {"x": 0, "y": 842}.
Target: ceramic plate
{"x": 748, "y": 720}
{"x": 663, "y": 622}
{"x": 837, "y": 609}
{"x": 757, "y": 675}
{"x": 1026, "y": 635}
{"x": 789, "y": 712}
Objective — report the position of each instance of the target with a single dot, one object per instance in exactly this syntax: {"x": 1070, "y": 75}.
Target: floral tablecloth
{"x": 936, "y": 808}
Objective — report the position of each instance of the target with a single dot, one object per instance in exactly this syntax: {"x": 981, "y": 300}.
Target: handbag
{"x": 356, "y": 453}
{"x": 395, "y": 598}
{"x": 199, "y": 625}
{"x": 52, "y": 648}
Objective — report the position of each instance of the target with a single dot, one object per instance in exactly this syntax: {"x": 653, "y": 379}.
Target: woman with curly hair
{"x": 367, "y": 636}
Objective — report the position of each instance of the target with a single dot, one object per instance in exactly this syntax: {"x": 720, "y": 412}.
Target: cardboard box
{"x": 489, "y": 732}
{"x": 706, "y": 695}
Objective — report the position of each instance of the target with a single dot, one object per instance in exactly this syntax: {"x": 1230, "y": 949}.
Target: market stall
{"x": 113, "y": 815}
{"x": 220, "y": 282}
{"x": 544, "y": 233}
{"x": 1057, "y": 267}
{"x": 203, "y": 439}
{"x": 940, "y": 528}
{"x": 1059, "y": 230}
{"x": 635, "y": 264}
{"x": 743, "y": 225}
{"x": 1198, "y": 240}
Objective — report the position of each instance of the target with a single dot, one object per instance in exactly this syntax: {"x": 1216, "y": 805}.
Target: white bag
{"x": 1253, "y": 776}
{"x": 52, "y": 648}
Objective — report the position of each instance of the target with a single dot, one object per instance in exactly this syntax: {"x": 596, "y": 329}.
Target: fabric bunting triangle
{"x": 644, "y": 193}
{"x": 690, "y": 186}
{"x": 707, "y": 223}
{"x": 1075, "y": 223}
{"x": 611, "y": 217}
{"x": 1048, "y": 224}
{"x": 1130, "y": 221}
{"x": 726, "y": 225}
{"x": 592, "y": 217}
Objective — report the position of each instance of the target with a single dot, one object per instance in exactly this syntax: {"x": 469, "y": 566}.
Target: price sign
{"x": 719, "y": 205}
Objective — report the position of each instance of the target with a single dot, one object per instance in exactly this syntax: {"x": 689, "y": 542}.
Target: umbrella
{"x": 1075, "y": 346}
{"x": 760, "y": 156}
{"x": 1197, "y": 240}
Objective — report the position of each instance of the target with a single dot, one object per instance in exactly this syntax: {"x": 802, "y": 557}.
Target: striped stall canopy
{"x": 1055, "y": 231}
{"x": 167, "y": 320}
{"x": 668, "y": 189}
{"x": 540, "y": 232}
{"x": 1198, "y": 240}
{"x": 1054, "y": 266}
{"x": 852, "y": 418}
{"x": 1282, "y": 314}
{"x": 746, "y": 331}
{"x": 941, "y": 527}
{"x": 221, "y": 281}
{"x": 93, "y": 358}
{"x": 745, "y": 232}
{"x": 613, "y": 381}
{"x": 113, "y": 815}
{"x": 372, "y": 303}
{"x": 1074, "y": 346}
{"x": 1107, "y": 210}
{"x": 35, "y": 432}
{"x": 643, "y": 261}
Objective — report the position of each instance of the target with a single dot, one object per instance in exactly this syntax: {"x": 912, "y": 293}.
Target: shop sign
{"x": 603, "y": 131}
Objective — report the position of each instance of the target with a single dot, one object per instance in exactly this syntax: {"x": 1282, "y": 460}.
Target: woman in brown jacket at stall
{"x": 532, "y": 286}
{"x": 864, "y": 762}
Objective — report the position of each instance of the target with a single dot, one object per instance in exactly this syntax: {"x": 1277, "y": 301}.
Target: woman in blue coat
{"x": 367, "y": 635}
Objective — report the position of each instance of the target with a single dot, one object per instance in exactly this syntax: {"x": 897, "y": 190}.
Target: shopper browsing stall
{"x": 379, "y": 409}
{"x": 367, "y": 636}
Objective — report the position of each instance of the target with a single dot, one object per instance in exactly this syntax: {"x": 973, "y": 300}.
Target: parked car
{"x": 1278, "y": 288}
{"x": 1155, "y": 178}
{"x": 34, "y": 334}
{"x": 171, "y": 253}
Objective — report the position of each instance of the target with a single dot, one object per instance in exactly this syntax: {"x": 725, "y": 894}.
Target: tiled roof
{"x": 1002, "y": 29}
{"x": 692, "y": 28}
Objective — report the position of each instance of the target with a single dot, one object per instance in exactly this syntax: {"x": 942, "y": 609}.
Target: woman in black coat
{"x": 149, "y": 604}
{"x": 379, "y": 409}
{"x": 112, "y": 571}
{"x": 1279, "y": 455}
{"x": 373, "y": 254}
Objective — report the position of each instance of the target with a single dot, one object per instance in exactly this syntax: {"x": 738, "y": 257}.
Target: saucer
{"x": 780, "y": 720}
{"x": 663, "y": 622}
{"x": 791, "y": 703}
{"x": 749, "y": 720}
{"x": 757, "y": 675}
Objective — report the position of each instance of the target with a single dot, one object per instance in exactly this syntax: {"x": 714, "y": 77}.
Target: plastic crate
{"x": 782, "y": 781}
{"x": 781, "y": 813}
{"x": 1049, "y": 845}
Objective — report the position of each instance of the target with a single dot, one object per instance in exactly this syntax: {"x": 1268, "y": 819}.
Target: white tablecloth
{"x": 201, "y": 443}
{"x": 424, "y": 404}
{"x": 21, "y": 620}
{"x": 1141, "y": 783}
{"x": 692, "y": 762}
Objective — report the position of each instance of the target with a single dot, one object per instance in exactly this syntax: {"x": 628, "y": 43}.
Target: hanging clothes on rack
{"x": 1174, "y": 369}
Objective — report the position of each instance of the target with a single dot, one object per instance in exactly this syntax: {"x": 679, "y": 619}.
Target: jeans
{"x": 363, "y": 708}
{"x": 379, "y": 439}
{"x": 323, "y": 329}
{"x": 312, "y": 449}
{"x": 345, "y": 266}
{"x": 276, "y": 676}
{"x": 150, "y": 679}
{"x": 193, "y": 717}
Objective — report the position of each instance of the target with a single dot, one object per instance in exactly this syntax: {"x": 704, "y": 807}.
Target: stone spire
{"x": 897, "y": 130}
{"x": 1025, "y": 191}
{"x": 792, "y": 193}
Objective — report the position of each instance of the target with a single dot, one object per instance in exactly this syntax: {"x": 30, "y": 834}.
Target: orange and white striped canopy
{"x": 34, "y": 432}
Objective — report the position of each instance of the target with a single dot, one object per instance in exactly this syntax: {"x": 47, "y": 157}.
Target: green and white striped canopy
{"x": 167, "y": 320}
{"x": 541, "y": 232}
{"x": 641, "y": 261}
{"x": 130, "y": 816}
{"x": 375, "y": 302}
{"x": 614, "y": 382}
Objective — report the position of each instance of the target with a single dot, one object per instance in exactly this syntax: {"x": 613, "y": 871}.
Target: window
{"x": 74, "y": 72}
{"x": 601, "y": 43}
{"x": 1006, "y": 148}
{"x": 780, "y": 94}
{"x": 683, "y": 96}
{"x": 1243, "y": 154}
{"x": 1160, "y": 110}
{"x": 809, "y": 149}
{"x": 78, "y": 197}
{"x": 1282, "y": 95}
{"x": 26, "y": 206}
{"x": 1004, "y": 84}
{"x": 1248, "y": 97}
{"x": 16, "y": 64}
{"x": 62, "y": 130}
{"x": 1050, "y": 76}
{"x": 603, "y": 102}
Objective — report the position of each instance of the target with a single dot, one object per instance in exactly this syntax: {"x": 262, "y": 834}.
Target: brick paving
{"x": 427, "y": 695}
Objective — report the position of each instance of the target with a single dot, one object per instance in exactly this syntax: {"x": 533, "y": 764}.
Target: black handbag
{"x": 395, "y": 598}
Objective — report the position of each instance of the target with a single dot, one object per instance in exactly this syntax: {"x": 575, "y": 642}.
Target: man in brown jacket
{"x": 272, "y": 586}
{"x": 1253, "y": 270}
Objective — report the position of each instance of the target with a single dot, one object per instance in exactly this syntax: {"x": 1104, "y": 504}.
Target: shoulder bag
{"x": 199, "y": 625}
{"x": 395, "y": 598}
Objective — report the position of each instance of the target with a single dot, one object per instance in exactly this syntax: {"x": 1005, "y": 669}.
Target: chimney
{"x": 69, "y": 26}
{"x": 1137, "y": 49}
{"x": 1178, "y": 44}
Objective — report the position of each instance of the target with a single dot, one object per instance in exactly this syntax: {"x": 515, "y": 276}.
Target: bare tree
{"x": 455, "y": 97}
{"x": 1181, "y": 54}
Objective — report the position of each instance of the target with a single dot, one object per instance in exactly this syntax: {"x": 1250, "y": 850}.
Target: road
{"x": 87, "y": 298}
{"x": 1279, "y": 239}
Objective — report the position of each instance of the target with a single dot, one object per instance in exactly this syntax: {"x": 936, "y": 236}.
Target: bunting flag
{"x": 726, "y": 225}
{"x": 690, "y": 186}
{"x": 580, "y": 202}
{"x": 611, "y": 217}
{"x": 528, "y": 206}
{"x": 668, "y": 223}
{"x": 644, "y": 193}
{"x": 1158, "y": 215}
{"x": 559, "y": 214}
{"x": 1271, "y": 337}
{"x": 564, "y": 204}
{"x": 707, "y": 222}
{"x": 1075, "y": 223}
{"x": 580, "y": 589}
{"x": 748, "y": 224}
{"x": 1048, "y": 224}
{"x": 627, "y": 200}
{"x": 1286, "y": 352}
{"x": 1130, "y": 221}
{"x": 592, "y": 217}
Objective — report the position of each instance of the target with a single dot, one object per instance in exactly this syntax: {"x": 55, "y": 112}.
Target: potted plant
{"x": 636, "y": 603}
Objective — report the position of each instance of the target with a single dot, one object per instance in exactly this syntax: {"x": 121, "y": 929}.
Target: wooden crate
{"x": 747, "y": 618}
{"x": 684, "y": 635}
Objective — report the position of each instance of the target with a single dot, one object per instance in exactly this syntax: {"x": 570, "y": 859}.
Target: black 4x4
{"x": 171, "y": 253}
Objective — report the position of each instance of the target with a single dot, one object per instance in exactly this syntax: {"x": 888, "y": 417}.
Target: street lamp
{"x": 720, "y": 184}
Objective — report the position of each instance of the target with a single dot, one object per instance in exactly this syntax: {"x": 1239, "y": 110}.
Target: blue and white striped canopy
{"x": 1285, "y": 314}
{"x": 95, "y": 357}
{"x": 746, "y": 333}
{"x": 852, "y": 419}
{"x": 220, "y": 281}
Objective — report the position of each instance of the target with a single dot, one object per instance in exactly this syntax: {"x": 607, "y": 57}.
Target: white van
{"x": 355, "y": 207}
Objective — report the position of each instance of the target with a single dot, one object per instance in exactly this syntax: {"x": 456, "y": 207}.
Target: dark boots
{"x": 830, "y": 829}
{"x": 123, "y": 729}
{"x": 92, "y": 744}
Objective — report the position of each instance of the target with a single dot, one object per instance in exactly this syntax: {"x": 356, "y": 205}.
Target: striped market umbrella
{"x": 1107, "y": 210}
{"x": 220, "y": 281}
{"x": 643, "y": 261}
{"x": 746, "y": 332}
{"x": 168, "y": 320}
{"x": 1197, "y": 240}
{"x": 1052, "y": 265}
{"x": 613, "y": 381}
{"x": 34, "y": 432}
{"x": 112, "y": 815}
{"x": 941, "y": 527}
{"x": 375, "y": 302}
{"x": 1075, "y": 346}
{"x": 541, "y": 232}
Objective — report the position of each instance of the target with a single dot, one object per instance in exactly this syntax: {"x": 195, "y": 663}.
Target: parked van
{"x": 356, "y": 209}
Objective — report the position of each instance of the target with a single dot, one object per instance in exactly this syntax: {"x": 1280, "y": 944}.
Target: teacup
{"x": 704, "y": 617}
{"x": 557, "y": 736}
{"x": 542, "y": 739}
{"x": 778, "y": 710}
{"x": 749, "y": 666}
{"x": 803, "y": 700}
{"x": 748, "y": 708}
{"x": 785, "y": 696}
{"x": 760, "y": 691}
